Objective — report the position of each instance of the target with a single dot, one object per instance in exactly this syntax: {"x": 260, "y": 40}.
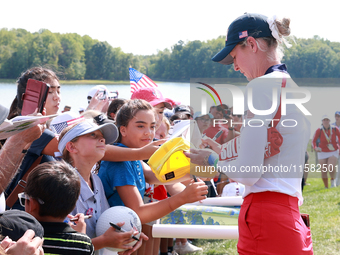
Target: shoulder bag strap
{"x": 13, "y": 197}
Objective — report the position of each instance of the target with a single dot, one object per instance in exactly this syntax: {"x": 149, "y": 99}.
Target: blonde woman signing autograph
{"x": 269, "y": 220}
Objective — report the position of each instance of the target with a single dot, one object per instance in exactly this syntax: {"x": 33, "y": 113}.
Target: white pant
{"x": 337, "y": 174}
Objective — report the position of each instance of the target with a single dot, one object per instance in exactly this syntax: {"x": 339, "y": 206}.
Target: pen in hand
{"x": 122, "y": 230}
{"x": 85, "y": 217}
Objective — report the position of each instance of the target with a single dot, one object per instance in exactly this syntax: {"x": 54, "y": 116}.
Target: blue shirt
{"x": 116, "y": 174}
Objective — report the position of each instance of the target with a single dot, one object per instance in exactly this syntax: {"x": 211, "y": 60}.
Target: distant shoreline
{"x": 104, "y": 82}
{"x": 303, "y": 82}
{"x": 75, "y": 82}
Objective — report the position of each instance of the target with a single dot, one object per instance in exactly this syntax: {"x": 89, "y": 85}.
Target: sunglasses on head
{"x": 23, "y": 197}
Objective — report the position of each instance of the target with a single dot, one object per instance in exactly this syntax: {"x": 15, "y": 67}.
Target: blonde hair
{"x": 272, "y": 46}
{"x": 66, "y": 154}
{"x": 167, "y": 124}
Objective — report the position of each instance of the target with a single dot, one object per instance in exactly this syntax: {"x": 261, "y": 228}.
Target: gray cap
{"x": 109, "y": 131}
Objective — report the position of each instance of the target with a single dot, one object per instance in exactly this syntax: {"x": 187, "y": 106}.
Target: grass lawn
{"x": 323, "y": 206}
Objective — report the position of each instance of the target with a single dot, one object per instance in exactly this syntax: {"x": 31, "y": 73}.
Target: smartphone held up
{"x": 34, "y": 97}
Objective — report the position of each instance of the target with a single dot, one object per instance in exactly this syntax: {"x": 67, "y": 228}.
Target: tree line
{"x": 81, "y": 57}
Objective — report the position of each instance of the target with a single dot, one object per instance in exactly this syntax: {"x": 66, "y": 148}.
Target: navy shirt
{"x": 33, "y": 153}
{"x": 279, "y": 68}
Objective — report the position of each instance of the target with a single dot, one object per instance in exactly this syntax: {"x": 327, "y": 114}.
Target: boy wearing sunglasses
{"x": 51, "y": 193}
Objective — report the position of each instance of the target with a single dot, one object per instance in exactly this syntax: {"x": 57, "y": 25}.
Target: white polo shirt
{"x": 91, "y": 202}
{"x": 282, "y": 172}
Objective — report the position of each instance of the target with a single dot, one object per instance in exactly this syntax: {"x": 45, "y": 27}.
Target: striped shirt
{"x": 60, "y": 238}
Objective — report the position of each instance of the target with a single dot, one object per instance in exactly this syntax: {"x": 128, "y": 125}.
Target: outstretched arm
{"x": 131, "y": 198}
{"x": 11, "y": 154}
{"x": 118, "y": 154}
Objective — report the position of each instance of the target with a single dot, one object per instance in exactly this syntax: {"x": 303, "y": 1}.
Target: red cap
{"x": 153, "y": 96}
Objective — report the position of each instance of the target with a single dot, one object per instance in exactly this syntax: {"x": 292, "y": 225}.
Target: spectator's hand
{"x": 26, "y": 245}
{"x": 78, "y": 225}
{"x": 117, "y": 239}
{"x": 208, "y": 142}
{"x": 199, "y": 157}
{"x": 30, "y": 135}
{"x": 97, "y": 104}
{"x": 136, "y": 246}
{"x": 318, "y": 149}
{"x": 150, "y": 148}
{"x": 195, "y": 191}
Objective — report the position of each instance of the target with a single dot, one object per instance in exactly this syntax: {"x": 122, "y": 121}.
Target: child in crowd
{"x": 124, "y": 182}
{"x": 51, "y": 193}
{"x": 163, "y": 131}
{"x": 114, "y": 107}
{"x": 83, "y": 145}
{"x": 159, "y": 103}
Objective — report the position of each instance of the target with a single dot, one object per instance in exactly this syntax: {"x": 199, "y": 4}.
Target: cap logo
{"x": 156, "y": 94}
{"x": 242, "y": 34}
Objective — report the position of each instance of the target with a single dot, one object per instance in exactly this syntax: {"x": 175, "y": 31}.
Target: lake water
{"x": 324, "y": 100}
{"x": 75, "y": 95}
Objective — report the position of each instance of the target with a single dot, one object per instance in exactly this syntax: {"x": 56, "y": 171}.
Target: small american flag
{"x": 139, "y": 80}
{"x": 57, "y": 128}
{"x": 243, "y": 34}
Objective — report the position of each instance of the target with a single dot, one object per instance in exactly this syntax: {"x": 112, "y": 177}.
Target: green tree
{"x": 72, "y": 60}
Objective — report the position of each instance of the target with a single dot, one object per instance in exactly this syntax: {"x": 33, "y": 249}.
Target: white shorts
{"x": 324, "y": 155}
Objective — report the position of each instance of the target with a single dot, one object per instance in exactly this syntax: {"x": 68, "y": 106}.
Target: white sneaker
{"x": 172, "y": 253}
{"x": 189, "y": 248}
{"x": 333, "y": 183}
{"x": 177, "y": 248}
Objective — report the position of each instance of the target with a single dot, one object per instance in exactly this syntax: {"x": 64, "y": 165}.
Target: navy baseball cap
{"x": 337, "y": 113}
{"x": 249, "y": 24}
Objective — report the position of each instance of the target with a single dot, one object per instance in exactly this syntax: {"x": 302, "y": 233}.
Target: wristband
{"x": 231, "y": 128}
{"x": 213, "y": 159}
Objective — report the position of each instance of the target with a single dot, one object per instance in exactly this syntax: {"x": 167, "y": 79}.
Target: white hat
{"x": 109, "y": 131}
{"x": 325, "y": 117}
{"x": 199, "y": 114}
{"x": 94, "y": 89}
